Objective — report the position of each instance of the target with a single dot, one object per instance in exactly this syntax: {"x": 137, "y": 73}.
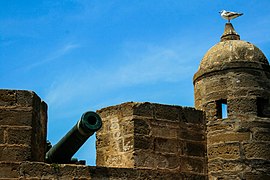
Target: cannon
{"x": 63, "y": 151}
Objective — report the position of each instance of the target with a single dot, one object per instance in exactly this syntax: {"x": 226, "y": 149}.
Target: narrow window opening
{"x": 222, "y": 109}
{"x": 263, "y": 107}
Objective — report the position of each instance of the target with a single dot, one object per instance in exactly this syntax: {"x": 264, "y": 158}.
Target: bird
{"x": 229, "y": 15}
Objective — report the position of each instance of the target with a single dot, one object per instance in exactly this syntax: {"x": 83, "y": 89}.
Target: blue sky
{"x": 80, "y": 55}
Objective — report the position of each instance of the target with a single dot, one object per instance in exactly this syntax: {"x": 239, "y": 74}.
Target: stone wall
{"x": 152, "y": 136}
{"x": 237, "y": 145}
{"x": 151, "y": 141}
{"x": 38, "y": 170}
{"x": 23, "y": 126}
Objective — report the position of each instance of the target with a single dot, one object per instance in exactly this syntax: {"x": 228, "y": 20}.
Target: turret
{"x": 232, "y": 87}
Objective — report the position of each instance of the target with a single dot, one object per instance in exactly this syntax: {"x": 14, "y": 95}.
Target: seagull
{"x": 229, "y": 15}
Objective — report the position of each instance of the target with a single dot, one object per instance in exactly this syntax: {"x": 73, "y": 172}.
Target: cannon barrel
{"x": 63, "y": 151}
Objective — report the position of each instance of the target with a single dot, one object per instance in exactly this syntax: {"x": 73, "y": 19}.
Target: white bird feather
{"x": 228, "y": 15}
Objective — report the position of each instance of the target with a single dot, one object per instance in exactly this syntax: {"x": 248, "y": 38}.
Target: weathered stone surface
{"x": 195, "y": 149}
{"x": 257, "y": 150}
{"x": 141, "y": 127}
{"x": 226, "y": 151}
{"x": 231, "y": 51}
{"x": 19, "y": 135}
{"x": 261, "y": 136}
{"x": 154, "y": 136}
{"x": 15, "y": 153}
{"x": 233, "y": 166}
{"x": 191, "y": 135}
{"x": 228, "y": 137}
{"x": 189, "y": 164}
{"x": 256, "y": 175}
{"x": 17, "y": 98}
{"x": 235, "y": 73}
{"x": 165, "y": 145}
{"x": 164, "y": 132}
{"x": 16, "y": 117}
{"x": 2, "y": 131}
{"x": 155, "y": 141}
{"x": 166, "y": 112}
{"x": 9, "y": 170}
{"x": 143, "y": 142}
{"x": 144, "y": 109}
{"x": 7, "y": 97}
{"x": 23, "y": 126}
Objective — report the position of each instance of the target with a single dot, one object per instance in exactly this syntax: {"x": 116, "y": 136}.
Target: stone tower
{"x": 232, "y": 87}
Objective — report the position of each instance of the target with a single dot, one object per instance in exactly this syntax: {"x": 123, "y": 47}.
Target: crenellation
{"x": 157, "y": 141}
{"x": 226, "y": 135}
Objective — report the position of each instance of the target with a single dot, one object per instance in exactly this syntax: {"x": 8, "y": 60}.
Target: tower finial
{"x": 229, "y": 33}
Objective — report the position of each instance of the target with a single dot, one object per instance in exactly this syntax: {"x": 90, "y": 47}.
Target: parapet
{"x": 23, "y": 126}
{"x": 137, "y": 141}
{"x": 152, "y": 136}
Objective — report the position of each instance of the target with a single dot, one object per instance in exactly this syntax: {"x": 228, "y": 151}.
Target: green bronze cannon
{"x": 63, "y": 151}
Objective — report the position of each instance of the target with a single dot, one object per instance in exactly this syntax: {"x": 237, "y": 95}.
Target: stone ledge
{"x": 37, "y": 170}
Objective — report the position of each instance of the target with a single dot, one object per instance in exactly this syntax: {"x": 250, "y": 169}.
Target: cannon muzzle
{"x": 63, "y": 151}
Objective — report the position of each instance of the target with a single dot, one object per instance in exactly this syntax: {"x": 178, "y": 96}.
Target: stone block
{"x": 39, "y": 133}
{"x": 220, "y": 125}
{"x": 9, "y": 170}
{"x": 224, "y": 151}
{"x": 144, "y": 109}
{"x": 253, "y": 125}
{"x": 146, "y": 159}
{"x": 116, "y": 145}
{"x": 141, "y": 127}
{"x": 129, "y": 144}
{"x": 2, "y": 131}
{"x": 39, "y": 170}
{"x": 173, "y": 161}
{"x": 242, "y": 105}
{"x": 193, "y": 165}
{"x": 261, "y": 134}
{"x": 257, "y": 150}
{"x": 256, "y": 175}
{"x": 19, "y": 135}
{"x": 148, "y": 135}
{"x": 27, "y": 99}
{"x": 18, "y": 98}
{"x": 127, "y": 126}
{"x": 102, "y": 141}
{"x": 159, "y": 131}
{"x": 215, "y": 166}
{"x": 167, "y": 112}
{"x": 228, "y": 137}
{"x": 16, "y": 117}
{"x": 193, "y": 134}
{"x": 191, "y": 115}
{"x": 233, "y": 166}
{"x": 118, "y": 111}
{"x": 164, "y": 145}
{"x": 7, "y": 97}
{"x": 143, "y": 142}
{"x": 15, "y": 153}
{"x": 195, "y": 149}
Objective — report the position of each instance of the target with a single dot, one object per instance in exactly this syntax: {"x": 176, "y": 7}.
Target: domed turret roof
{"x": 231, "y": 52}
